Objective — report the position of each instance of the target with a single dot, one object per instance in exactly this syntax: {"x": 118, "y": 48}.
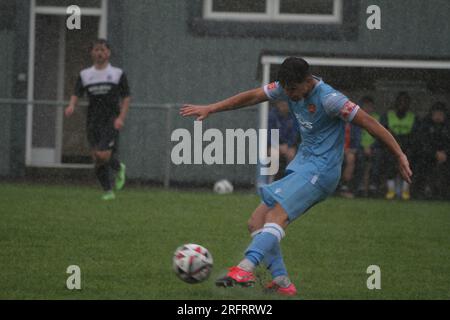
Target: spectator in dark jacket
{"x": 434, "y": 165}
{"x": 351, "y": 145}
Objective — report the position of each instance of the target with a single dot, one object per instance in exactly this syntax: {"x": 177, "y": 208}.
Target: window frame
{"x": 273, "y": 14}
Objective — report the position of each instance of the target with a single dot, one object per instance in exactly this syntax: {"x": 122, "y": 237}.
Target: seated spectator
{"x": 352, "y": 141}
{"x": 368, "y": 155}
{"x": 281, "y": 118}
{"x": 402, "y": 124}
{"x": 434, "y": 165}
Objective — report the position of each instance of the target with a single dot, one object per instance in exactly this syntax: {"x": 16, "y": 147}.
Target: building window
{"x": 282, "y": 11}
{"x": 66, "y": 3}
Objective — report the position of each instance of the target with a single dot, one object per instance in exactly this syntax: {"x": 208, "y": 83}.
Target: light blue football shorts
{"x": 296, "y": 193}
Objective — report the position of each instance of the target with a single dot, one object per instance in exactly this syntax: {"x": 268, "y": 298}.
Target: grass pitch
{"x": 124, "y": 248}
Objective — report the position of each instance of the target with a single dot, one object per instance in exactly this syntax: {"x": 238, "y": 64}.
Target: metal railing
{"x": 145, "y": 142}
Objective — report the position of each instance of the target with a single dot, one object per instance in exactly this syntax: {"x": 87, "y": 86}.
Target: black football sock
{"x": 114, "y": 162}
{"x": 103, "y": 175}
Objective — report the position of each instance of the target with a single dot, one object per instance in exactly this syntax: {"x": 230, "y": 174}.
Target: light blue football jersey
{"x": 320, "y": 119}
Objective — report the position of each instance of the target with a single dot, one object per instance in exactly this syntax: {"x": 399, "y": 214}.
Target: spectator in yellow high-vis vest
{"x": 401, "y": 122}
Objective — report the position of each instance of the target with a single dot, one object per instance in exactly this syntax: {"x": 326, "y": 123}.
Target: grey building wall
{"x": 14, "y": 24}
{"x": 146, "y": 147}
{"x": 168, "y": 61}
{"x": 6, "y": 60}
{"x": 19, "y": 87}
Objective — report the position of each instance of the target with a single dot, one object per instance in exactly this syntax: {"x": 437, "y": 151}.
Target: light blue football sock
{"x": 264, "y": 242}
{"x": 273, "y": 259}
{"x": 274, "y": 262}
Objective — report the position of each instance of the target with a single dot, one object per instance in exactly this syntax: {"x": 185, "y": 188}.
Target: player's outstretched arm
{"x": 372, "y": 126}
{"x": 243, "y": 99}
{"x": 124, "y": 107}
{"x": 71, "y": 107}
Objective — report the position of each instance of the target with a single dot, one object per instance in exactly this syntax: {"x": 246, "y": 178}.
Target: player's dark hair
{"x": 401, "y": 95}
{"x": 100, "y": 41}
{"x": 293, "y": 70}
{"x": 439, "y": 106}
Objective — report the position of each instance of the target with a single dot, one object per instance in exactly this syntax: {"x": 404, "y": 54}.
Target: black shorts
{"x": 103, "y": 137}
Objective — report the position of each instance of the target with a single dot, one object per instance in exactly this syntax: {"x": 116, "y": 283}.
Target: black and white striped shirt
{"x": 104, "y": 89}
